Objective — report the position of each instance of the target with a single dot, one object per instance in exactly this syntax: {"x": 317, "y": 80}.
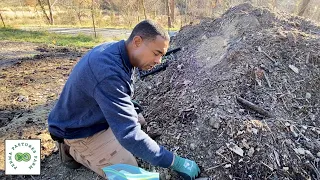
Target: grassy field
{"x": 79, "y": 40}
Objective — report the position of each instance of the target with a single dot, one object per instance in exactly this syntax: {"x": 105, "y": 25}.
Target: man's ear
{"x": 137, "y": 41}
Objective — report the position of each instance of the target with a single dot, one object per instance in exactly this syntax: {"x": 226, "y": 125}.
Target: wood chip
{"x": 250, "y": 152}
{"x": 300, "y": 151}
{"x": 276, "y": 155}
{"x": 308, "y": 95}
{"x": 285, "y": 168}
{"x": 235, "y": 148}
{"x": 294, "y": 69}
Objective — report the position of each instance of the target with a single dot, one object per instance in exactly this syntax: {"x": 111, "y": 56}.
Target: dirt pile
{"x": 269, "y": 59}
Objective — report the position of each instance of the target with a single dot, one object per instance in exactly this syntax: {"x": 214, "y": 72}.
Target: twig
{"x": 307, "y": 58}
{"x": 253, "y": 107}
{"x": 16, "y": 117}
{"x": 267, "y": 78}
{"x": 214, "y": 167}
{"x": 300, "y": 133}
{"x": 285, "y": 105}
{"x": 221, "y": 133}
{"x": 272, "y": 135}
{"x": 269, "y": 57}
{"x": 314, "y": 169}
{"x": 224, "y": 157}
{"x": 276, "y": 155}
{"x": 260, "y": 50}
{"x": 270, "y": 168}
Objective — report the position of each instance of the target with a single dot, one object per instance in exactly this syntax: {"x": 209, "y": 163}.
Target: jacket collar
{"x": 125, "y": 56}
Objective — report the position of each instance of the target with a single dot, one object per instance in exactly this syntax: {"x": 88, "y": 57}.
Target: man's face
{"x": 148, "y": 53}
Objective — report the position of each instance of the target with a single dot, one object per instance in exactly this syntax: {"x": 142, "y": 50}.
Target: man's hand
{"x": 185, "y": 168}
{"x": 137, "y": 106}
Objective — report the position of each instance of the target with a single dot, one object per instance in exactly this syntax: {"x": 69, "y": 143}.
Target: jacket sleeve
{"x": 112, "y": 96}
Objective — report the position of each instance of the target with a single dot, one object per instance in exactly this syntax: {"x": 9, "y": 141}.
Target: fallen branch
{"x": 269, "y": 57}
{"x": 253, "y": 107}
{"x": 224, "y": 157}
{"x": 270, "y": 168}
{"x": 267, "y": 79}
{"x": 214, "y": 167}
{"x": 260, "y": 50}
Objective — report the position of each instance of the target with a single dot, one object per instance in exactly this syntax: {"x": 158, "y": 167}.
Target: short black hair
{"x": 148, "y": 30}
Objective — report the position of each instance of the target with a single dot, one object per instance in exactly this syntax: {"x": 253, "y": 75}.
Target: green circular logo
{"x": 22, "y": 157}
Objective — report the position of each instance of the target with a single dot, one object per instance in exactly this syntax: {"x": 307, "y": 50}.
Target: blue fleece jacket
{"x": 96, "y": 96}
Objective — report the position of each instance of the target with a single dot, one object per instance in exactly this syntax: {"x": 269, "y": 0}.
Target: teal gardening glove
{"x": 185, "y": 168}
{"x": 137, "y": 106}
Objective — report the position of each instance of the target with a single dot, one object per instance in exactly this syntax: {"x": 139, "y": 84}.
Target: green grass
{"x": 79, "y": 40}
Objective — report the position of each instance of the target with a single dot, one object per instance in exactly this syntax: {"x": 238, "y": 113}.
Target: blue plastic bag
{"x": 128, "y": 172}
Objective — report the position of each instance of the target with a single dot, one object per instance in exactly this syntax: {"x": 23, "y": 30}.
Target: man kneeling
{"x": 94, "y": 119}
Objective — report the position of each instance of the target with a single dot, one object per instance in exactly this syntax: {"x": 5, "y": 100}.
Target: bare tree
{"x": 186, "y": 11}
{"x": 2, "y": 20}
{"x": 138, "y": 10}
{"x": 80, "y": 6}
{"x": 168, "y": 13}
{"x": 44, "y": 11}
{"x": 93, "y": 21}
{"x": 49, "y": 18}
{"x": 172, "y": 8}
{"x": 144, "y": 9}
{"x": 79, "y": 11}
{"x": 303, "y": 6}
{"x": 50, "y": 12}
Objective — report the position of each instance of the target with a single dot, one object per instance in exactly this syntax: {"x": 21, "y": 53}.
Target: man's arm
{"x": 112, "y": 96}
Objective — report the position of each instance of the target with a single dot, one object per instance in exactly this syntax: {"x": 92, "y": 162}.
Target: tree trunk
{"x": 172, "y": 8}
{"x": 93, "y": 22}
{"x": 79, "y": 13}
{"x": 168, "y": 13}
{"x": 138, "y": 6}
{"x": 186, "y": 12}
{"x": 303, "y": 7}
{"x": 155, "y": 8}
{"x": 44, "y": 11}
{"x": 144, "y": 9}
{"x": 2, "y": 20}
{"x": 50, "y": 11}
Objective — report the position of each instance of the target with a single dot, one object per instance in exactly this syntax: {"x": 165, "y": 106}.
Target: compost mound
{"x": 265, "y": 58}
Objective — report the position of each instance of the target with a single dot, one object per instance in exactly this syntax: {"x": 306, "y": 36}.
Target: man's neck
{"x": 129, "y": 49}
